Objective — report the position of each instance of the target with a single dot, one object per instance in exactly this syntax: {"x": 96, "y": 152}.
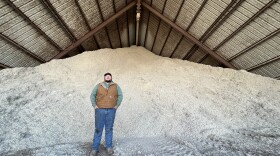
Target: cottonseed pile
{"x": 170, "y": 107}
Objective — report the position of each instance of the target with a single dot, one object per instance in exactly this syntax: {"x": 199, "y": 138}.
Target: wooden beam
{"x": 245, "y": 24}
{"x": 263, "y": 63}
{"x": 188, "y": 36}
{"x": 4, "y": 66}
{"x": 114, "y": 6}
{"x": 189, "y": 26}
{"x": 84, "y": 18}
{"x": 60, "y": 21}
{"x": 58, "y": 18}
{"x": 148, "y": 21}
{"x": 190, "y": 52}
{"x": 158, "y": 25}
{"x": 33, "y": 24}
{"x": 170, "y": 29}
{"x": 22, "y": 48}
{"x": 102, "y": 19}
{"x": 255, "y": 44}
{"x": 96, "y": 29}
{"x": 215, "y": 25}
{"x": 147, "y": 25}
{"x": 127, "y": 24}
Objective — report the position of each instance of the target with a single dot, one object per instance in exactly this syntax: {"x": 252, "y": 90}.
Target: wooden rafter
{"x": 189, "y": 26}
{"x": 263, "y": 63}
{"x": 22, "y": 48}
{"x": 158, "y": 25}
{"x": 61, "y": 22}
{"x": 188, "y": 36}
{"x": 86, "y": 21}
{"x": 245, "y": 24}
{"x": 255, "y": 44}
{"x": 33, "y": 24}
{"x": 119, "y": 34}
{"x": 102, "y": 19}
{"x": 170, "y": 29}
{"x": 96, "y": 29}
{"x": 4, "y": 66}
{"x": 215, "y": 25}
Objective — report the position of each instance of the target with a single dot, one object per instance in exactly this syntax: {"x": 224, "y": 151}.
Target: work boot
{"x": 93, "y": 153}
{"x": 110, "y": 150}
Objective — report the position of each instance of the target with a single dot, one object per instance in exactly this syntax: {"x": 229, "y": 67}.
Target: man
{"x": 106, "y": 97}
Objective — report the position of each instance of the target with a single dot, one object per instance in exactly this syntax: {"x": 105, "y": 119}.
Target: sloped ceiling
{"x": 245, "y": 33}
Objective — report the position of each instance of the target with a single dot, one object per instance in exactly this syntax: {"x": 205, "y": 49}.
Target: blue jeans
{"x": 103, "y": 117}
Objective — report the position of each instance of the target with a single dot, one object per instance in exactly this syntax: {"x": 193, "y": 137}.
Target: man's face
{"x": 107, "y": 78}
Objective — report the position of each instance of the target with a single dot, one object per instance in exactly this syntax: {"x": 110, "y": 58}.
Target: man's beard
{"x": 108, "y": 81}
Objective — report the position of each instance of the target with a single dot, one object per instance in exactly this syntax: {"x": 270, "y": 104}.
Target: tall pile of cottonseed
{"x": 170, "y": 107}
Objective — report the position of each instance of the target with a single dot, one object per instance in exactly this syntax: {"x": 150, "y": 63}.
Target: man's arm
{"x": 120, "y": 96}
{"x": 93, "y": 96}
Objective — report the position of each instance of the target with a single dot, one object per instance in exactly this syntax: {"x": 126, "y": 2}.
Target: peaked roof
{"x": 241, "y": 34}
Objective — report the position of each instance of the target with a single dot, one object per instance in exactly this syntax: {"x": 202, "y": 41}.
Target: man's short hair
{"x": 107, "y": 74}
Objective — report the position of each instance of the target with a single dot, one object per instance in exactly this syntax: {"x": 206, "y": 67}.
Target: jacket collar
{"x": 104, "y": 85}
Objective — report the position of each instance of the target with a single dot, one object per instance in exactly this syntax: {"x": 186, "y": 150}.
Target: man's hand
{"x": 116, "y": 107}
{"x": 95, "y": 107}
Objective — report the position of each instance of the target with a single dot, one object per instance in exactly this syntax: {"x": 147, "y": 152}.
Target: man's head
{"x": 107, "y": 77}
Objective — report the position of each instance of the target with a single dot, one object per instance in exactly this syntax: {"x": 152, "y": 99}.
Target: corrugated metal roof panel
{"x": 69, "y": 12}
{"x": 260, "y": 53}
{"x": 114, "y": 34}
{"x": 248, "y": 36}
{"x": 152, "y": 28}
{"x": 171, "y": 8}
{"x": 235, "y": 20}
{"x": 161, "y": 36}
{"x": 123, "y": 30}
{"x": 270, "y": 70}
{"x": 187, "y": 13}
{"x": 206, "y": 17}
{"x": 143, "y": 26}
{"x": 8, "y": 51}
{"x": 197, "y": 56}
{"x": 158, "y": 5}
{"x": 106, "y": 8}
{"x": 171, "y": 43}
{"x": 120, "y": 4}
{"x": 91, "y": 12}
{"x": 102, "y": 39}
{"x": 182, "y": 49}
